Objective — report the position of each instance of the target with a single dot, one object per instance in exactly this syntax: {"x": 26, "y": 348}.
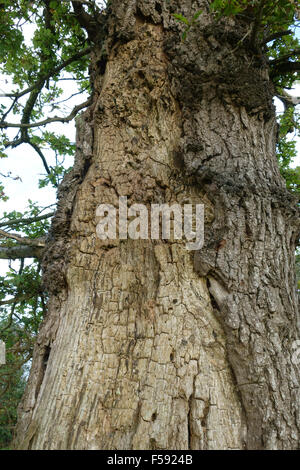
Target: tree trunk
{"x": 147, "y": 345}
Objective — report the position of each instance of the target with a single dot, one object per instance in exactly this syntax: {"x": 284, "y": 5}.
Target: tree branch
{"x": 85, "y": 20}
{"x": 21, "y": 252}
{"x": 285, "y": 57}
{"x": 75, "y": 110}
{"x": 26, "y": 140}
{"x": 27, "y": 221}
{"x": 277, "y": 35}
{"x": 40, "y": 242}
{"x": 40, "y": 153}
{"x": 285, "y": 67}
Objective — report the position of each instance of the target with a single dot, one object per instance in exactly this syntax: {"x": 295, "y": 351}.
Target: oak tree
{"x": 144, "y": 344}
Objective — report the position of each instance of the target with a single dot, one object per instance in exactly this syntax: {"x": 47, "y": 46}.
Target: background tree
{"x": 141, "y": 315}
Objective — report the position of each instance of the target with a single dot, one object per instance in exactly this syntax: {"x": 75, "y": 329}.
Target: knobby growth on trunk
{"x": 146, "y": 345}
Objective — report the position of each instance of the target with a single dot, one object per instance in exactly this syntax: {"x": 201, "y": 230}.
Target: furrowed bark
{"x": 147, "y": 345}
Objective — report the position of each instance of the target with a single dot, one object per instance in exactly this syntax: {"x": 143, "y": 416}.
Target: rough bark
{"x": 147, "y": 345}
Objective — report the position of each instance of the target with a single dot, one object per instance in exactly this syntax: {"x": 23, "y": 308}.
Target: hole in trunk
{"x": 42, "y": 370}
{"x": 46, "y": 357}
{"x": 158, "y": 8}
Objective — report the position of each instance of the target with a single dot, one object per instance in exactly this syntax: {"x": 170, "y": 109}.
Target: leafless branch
{"x": 71, "y": 116}
{"x": 20, "y": 252}
{"x": 50, "y": 74}
{"x": 288, "y": 100}
{"x": 277, "y": 35}
{"x": 85, "y": 20}
{"x": 40, "y": 153}
{"x": 285, "y": 67}
{"x": 39, "y": 242}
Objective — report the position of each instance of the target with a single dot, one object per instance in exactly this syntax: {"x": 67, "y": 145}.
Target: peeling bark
{"x": 151, "y": 346}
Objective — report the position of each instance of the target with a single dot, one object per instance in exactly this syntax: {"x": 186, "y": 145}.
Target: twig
{"x": 40, "y": 153}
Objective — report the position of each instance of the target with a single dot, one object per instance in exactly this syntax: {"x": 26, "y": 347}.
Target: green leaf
{"x": 181, "y": 18}
{"x": 196, "y": 16}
